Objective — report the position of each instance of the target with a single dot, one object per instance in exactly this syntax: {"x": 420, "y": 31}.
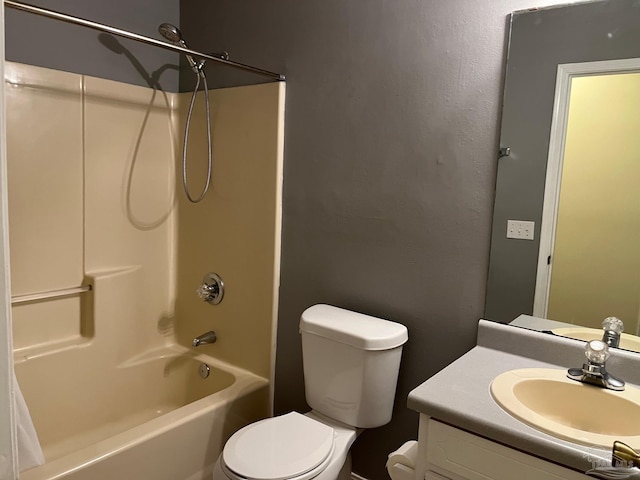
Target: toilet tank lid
{"x": 356, "y": 329}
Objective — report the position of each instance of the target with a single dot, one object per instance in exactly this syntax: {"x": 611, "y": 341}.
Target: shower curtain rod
{"x": 134, "y": 36}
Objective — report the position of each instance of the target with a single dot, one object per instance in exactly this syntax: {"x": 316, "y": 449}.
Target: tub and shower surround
{"x": 95, "y": 200}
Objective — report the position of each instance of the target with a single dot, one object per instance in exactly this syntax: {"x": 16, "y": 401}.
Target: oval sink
{"x": 547, "y": 400}
{"x": 627, "y": 341}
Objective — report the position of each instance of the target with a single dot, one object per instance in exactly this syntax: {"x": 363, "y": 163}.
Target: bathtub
{"x": 153, "y": 417}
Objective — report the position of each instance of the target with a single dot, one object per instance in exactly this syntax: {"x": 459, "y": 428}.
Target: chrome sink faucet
{"x": 204, "y": 339}
{"x": 594, "y": 371}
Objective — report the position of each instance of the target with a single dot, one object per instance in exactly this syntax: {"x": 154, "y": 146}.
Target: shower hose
{"x": 200, "y": 76}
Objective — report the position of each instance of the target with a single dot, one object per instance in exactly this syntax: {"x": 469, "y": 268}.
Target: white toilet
{"x": 351, "y": 364}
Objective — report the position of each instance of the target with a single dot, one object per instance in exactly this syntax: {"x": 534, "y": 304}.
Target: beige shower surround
{"x": 95, "y": 188}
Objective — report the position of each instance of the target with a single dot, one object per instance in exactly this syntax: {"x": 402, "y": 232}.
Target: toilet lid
{"x": 278, "y": 448}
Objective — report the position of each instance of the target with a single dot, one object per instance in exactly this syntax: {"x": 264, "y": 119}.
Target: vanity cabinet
{"x": 448, "y": 453}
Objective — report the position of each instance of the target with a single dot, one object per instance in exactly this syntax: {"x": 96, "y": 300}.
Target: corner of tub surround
{"x": 553, "y": 349}
{"x": 23, "y": 75}
{"x": 127, "y": 93}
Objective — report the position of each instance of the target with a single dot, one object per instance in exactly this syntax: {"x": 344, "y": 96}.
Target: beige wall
{"x": 596, "y": 269}
{"x": 95, "y": 197}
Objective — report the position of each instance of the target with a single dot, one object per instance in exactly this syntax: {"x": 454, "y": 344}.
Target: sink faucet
{"x": 204, "y": 339}
{"x": 613, "y": 328}
{"x": 594, "y": 372}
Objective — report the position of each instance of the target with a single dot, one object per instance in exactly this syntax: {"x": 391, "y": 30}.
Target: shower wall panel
{"x": 129, "y": 178}
{"x": 91, "y": 175}
{"x": 235, "y": 230}
{"x": 44, "y": 151}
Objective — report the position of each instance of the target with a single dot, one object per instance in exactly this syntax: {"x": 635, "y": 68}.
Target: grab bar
{"x": 32, "y": 297}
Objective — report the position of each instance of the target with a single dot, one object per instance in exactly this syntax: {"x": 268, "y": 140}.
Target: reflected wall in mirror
{"x": 591, "y": 213}
{"x": 540, "y": 41}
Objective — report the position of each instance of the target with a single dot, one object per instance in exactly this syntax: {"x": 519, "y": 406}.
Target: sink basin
{"x": 547, "y": 400}
{"x": 628, "y": 342}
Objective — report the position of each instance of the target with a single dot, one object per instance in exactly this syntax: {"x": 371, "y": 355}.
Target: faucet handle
{"x": 613, "y": 328}
{"x": 597, "y": 352}
{"x": 212, "y": 289}
{"x": 613, "y": 324}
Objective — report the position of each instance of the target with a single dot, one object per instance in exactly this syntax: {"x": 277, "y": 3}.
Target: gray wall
{"x": 391, "y": 139}
{"x": 53, "y": 44}
{"x": 540, "y": 41}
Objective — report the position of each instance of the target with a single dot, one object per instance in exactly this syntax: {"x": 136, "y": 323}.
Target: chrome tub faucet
{"x": 204, "y": 339}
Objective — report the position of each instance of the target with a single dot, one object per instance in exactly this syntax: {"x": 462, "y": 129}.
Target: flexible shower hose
{"x": 202, "y": 76}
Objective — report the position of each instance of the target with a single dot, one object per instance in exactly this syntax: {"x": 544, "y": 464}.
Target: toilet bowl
{"x": 288, "y": 447}
{"x": 350, "y": 362}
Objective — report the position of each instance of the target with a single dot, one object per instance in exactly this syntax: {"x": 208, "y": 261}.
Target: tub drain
{"x": 204, "y": 370}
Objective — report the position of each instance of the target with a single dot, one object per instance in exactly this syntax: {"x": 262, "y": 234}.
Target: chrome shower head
{"x": 173, "y": 34}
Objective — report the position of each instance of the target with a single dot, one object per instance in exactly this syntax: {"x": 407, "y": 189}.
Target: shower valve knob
{"x": 212, "y": 289}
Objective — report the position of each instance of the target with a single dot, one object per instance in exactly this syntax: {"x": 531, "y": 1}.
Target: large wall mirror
{"x": 571, "y": 118}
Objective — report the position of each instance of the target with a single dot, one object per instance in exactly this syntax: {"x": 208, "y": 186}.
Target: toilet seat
{"x": 279, "y": 448}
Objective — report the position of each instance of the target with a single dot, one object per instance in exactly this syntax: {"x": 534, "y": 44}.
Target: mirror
{"x": 541, "y": 41}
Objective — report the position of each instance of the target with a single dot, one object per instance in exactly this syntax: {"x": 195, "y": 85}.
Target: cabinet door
{"x": 468, "y": 456}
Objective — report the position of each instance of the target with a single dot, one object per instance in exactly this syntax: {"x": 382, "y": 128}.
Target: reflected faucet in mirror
{"x": 612, "y": 331}
{"x": 613, "y": 328}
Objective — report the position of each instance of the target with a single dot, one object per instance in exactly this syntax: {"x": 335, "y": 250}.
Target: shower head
{"x": 173, "y": 34}
{"x": 170, "y": 32}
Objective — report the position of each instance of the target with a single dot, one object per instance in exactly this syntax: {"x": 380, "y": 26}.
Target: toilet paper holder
{"x": 401, "y": 463}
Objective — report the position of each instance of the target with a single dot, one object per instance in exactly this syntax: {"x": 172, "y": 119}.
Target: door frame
{"x": 565, "y": 75}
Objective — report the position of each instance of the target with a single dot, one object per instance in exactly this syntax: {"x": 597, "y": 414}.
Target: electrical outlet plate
{"x": 520, "y": 229}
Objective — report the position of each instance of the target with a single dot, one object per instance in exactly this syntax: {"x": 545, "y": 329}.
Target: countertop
{"x": 459, "y": 394}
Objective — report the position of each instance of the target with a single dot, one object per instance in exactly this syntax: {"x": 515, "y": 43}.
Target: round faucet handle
{"x": 205, "y": 291}
{"x": 613, "y": 324}
{"x": 597, "y": 352}
{"x": 212, "y": 288}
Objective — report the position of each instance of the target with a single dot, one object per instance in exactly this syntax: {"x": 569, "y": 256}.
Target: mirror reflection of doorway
{"x": 595, "y": 251}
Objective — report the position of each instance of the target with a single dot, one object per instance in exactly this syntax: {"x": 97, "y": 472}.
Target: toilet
{"x": 351, "y": 363}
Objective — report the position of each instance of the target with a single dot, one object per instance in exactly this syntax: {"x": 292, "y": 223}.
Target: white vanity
{"x": 465, "y": 434}
{"x": 449, "y": 453}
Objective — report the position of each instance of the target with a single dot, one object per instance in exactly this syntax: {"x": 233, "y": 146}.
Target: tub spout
{"x": 204, "y": 339}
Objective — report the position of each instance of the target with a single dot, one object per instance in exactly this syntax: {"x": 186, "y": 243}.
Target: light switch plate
{"x": 520, "y": 229}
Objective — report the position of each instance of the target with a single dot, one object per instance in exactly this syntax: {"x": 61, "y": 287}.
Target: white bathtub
{"x": 152, "y": 418}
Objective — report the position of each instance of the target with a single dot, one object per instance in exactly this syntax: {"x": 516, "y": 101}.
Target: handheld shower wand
{"x": 174, "y": 35}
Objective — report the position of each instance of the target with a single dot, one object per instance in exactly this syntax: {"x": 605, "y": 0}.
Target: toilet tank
{"x": 351, "y": 364}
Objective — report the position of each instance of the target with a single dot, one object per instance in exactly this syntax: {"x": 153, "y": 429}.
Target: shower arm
{"x": 137, "y": 37}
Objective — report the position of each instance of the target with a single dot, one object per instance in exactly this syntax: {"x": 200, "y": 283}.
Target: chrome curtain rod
{"x": 134, "y": 36}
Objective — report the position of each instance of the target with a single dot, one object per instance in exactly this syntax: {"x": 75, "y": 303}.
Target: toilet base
{"x": 345, "y": 471}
